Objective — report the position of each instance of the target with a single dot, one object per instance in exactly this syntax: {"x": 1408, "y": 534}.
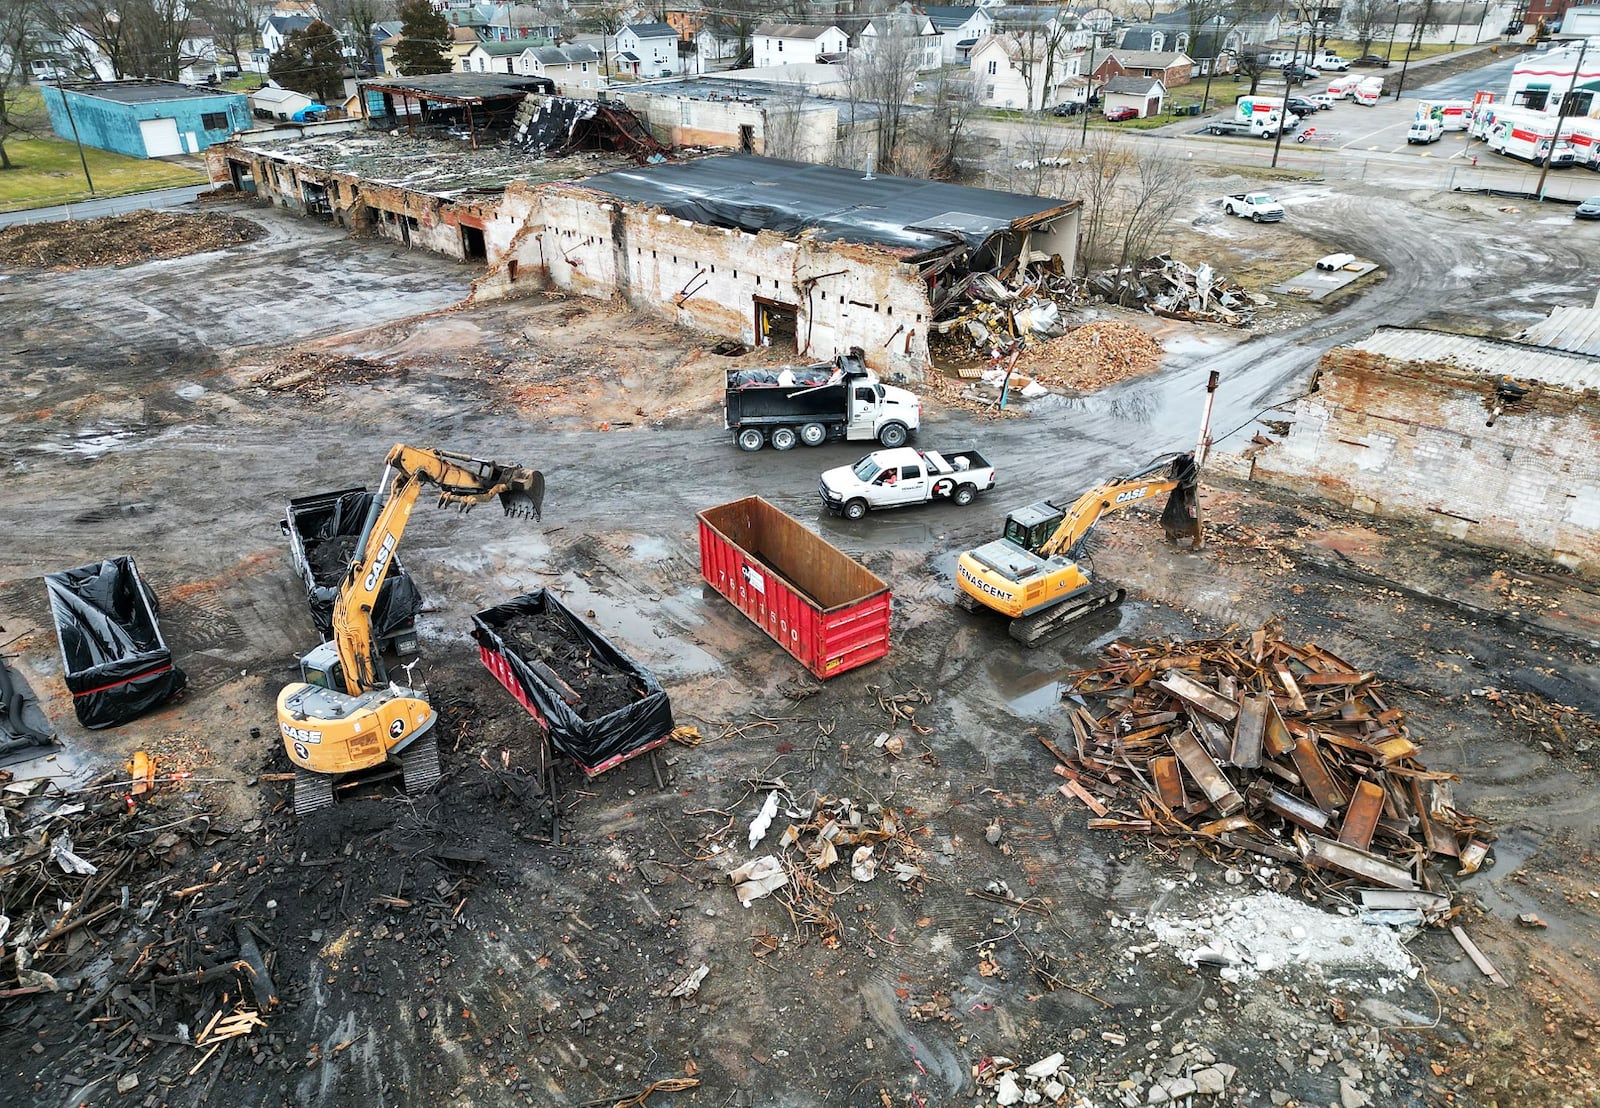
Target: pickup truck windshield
{"x": 866, "y": 469}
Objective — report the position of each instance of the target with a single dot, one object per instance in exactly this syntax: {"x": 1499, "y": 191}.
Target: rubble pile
{"x": 1190, "y": 1074}
{"x": 1168, "y": 287}
{"x": 121, "y": 239}
{"x": 827, "y": 838}
{"x": 1091, "y": 357}
{"x": 311, "y": 374}
{"x": 1285, "y": 751}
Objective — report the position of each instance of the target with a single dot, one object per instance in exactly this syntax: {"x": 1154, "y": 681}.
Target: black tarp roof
{"x": 846, "y": 205}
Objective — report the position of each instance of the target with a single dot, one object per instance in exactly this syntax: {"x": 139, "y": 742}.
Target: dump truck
{"x": 842, "y": 399}
{"x": 323, "y": 530}
{"x": 822, "y": 606}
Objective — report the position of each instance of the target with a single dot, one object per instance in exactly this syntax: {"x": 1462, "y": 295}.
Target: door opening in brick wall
{"x": 747, "y": 138}
{"x": 776, "y": 324}
{"x": 473, "y": 248}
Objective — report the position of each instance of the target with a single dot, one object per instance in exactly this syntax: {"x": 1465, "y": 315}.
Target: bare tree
{"x": 156, "y": 33}
{"x": 878, "y": 80}
{"x": 1095, "y": 179}
{"x": 1160, "y": 184}
{"x": 93, "y": 30}
{"x": 1036, "y": 152}
{"x": 1366, "y": 20}
{"x": 605, "y": 18}
{"x": 234, "y": 25}
{"x": 19, "y": 43}
{"x": 352, "y": 20}
{"x": 784, "y": 127}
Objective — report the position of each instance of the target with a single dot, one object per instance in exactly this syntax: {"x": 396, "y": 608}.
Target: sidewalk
{"x": 116, "y": 205}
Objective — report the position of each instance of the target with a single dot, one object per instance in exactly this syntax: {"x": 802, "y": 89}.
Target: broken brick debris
{"x": 1263, "y": 745}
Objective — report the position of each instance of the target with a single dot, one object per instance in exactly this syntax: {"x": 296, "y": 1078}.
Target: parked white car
{"x": 1322, "y": 100}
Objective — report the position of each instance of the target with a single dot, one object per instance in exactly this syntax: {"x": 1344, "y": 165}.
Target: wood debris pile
{"x": 827, "y": 840}
{"x": 1266, "y": 746}
{"x": 121, "y": 239}
{"x": 311, "y": 374}
{"x": 1090, "y": 357}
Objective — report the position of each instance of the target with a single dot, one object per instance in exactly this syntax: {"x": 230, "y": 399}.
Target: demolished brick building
{"x": 1489, "y": 440}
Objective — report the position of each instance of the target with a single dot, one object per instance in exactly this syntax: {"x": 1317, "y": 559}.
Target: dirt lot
{"x": 442, "y": 949}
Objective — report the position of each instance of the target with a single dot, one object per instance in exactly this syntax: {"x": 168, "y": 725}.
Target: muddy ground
{"x": 441, "y": 949}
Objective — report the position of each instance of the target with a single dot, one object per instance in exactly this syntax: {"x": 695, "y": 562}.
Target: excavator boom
{"x": 1039, "y": 584}
{"x": 345, "y": 716}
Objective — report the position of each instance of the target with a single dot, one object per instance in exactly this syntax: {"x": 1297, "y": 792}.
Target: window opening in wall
{"x": 747, "y": 138}
{"x": 214, "y": 121}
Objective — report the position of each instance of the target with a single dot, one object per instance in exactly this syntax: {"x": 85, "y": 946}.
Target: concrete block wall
{"x": 1412, "y": 440}
{"x": 710, "y": 278}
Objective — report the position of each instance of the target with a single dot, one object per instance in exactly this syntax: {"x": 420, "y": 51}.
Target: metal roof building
{"x": 1494, "y": 358}
{"x": 144, "y": 119}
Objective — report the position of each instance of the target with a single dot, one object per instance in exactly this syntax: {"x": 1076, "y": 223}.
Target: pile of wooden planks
{"x": 1262, "y": 745}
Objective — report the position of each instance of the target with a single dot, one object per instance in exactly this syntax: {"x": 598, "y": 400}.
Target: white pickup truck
{"x": 1253, "y": 205}
{"x": 895, "y": 478}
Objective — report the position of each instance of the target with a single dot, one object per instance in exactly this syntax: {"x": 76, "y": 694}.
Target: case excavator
{"x": 345, "y": 715}
{"x": 1032, "y": 575}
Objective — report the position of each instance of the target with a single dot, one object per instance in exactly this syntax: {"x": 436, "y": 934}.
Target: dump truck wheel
{"x": 750, "y": 439}
{"x": 813, "y": 434}
{"x": 965, "y": 494}
{"x": 855, "y": 509}
{"x": 893, "y": 435}
{"x": 784, "y": 438}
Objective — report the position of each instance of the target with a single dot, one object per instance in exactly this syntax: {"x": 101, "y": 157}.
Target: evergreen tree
{"x": 424, "y": 45}
{"x": 311, "y": 61}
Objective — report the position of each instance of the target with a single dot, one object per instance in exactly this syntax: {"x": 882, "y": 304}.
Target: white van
{"x": 1424, "y": 131}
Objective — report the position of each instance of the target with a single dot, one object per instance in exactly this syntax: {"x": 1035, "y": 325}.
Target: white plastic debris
{"x": 757, "y": 879}
{"x": 691, "y": 984}
{"x": 1007, "y": 1091}
{"x": 61, "y": 854}
{"x": 863, "y": 866}
{"x": 1046, "y": 1067}
{"x": 763, "y": 820}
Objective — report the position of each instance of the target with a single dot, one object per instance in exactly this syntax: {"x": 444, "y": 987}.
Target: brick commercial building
{"x": 1489, "y": 440}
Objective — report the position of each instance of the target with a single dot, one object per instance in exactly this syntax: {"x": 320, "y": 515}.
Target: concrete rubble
{"x": 1171, "y": 288}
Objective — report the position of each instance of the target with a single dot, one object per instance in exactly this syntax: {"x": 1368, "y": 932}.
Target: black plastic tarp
{"x": 398, "y": 601}
{"x": 22, "y": 721}
{"x": 590, "y": 743}
{"x": 117, "y": 664}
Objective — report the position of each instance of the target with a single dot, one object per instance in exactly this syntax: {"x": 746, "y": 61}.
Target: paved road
{"x": 116, "y": 205}
{"x": 1493, "y": 77}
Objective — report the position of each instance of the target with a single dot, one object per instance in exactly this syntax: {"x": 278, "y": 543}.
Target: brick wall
{"x": 1412, "y": 440}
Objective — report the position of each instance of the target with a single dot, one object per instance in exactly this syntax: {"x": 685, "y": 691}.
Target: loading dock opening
{"x": 473, "y": 246}
{"x": 776, "y": 323}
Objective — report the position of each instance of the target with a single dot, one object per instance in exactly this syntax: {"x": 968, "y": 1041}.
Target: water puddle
{"x": 91, "y": 442}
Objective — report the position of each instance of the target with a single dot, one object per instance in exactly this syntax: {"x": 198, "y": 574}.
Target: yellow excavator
{"x": 345, "y": 715}
{"x": 1031, "y": 573}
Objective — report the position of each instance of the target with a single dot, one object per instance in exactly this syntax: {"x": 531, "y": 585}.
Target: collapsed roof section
{"x": 923, "y": 221}
{"x": 557, "y": 125}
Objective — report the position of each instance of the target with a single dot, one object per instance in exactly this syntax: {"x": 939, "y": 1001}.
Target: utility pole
{"x": 66, "y": 103}
{"x": 1088, "y": 92}
{"x": 1561, "y": 117}
{"x": 1414, "y": 40}
{"x": 1283, "y": 112}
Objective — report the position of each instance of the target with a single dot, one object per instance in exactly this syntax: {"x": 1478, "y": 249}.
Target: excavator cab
{"x": 320, "y": 666}
{"x": 1031, "y": 527}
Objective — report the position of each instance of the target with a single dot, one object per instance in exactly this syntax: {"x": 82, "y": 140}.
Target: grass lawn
{"x": 48, "y": 172}
{"x": 1350, "y": 50}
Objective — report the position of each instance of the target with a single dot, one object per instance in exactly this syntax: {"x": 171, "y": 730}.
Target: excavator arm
{"x": 460, "y": 480}
{"x": 1178, "y": 518}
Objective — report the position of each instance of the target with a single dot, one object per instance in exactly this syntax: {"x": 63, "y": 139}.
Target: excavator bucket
{"x": 523, "y": 496}
{"x": 1180, "y": 519}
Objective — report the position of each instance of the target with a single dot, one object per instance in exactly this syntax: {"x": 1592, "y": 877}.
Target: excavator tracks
{"x": 420, "y": 764}
{"x": 1035, "y": 629}
{"x": 312, "y": 792}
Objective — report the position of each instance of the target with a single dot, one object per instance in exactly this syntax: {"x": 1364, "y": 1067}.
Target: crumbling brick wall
{"x": 711, "y": 278}
{"x": 1413, "y": 440}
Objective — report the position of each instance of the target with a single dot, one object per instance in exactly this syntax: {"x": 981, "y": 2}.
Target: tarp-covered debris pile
{"x": 1168, "y": 287}
{"x": 563, "y": 125}
{"x": 22, "y": 721}
{"x": 117, "y": 665}
{"x": 1262, "y": 745}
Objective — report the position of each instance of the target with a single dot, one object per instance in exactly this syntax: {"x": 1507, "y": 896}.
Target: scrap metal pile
{"x": 556, "y": 125}
{"x": 1168, "y": 287}
{"x": 1265, "y": 746}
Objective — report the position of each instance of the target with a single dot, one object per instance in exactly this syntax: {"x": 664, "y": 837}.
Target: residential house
{"x": 687, "y": 19}
{"x": 276, "y": 28}
{"x": 570, "y": 67}
{"x": 959, "y": 29}
{"x": 792, "y": 43}
{"x": 462, "y": 42}
{"x": 647, "y": 50}
{"x": 913, "y": 22}
{"x": 520, "y": 22}
{"x": 1012, "y": 72}
{"x": 716, "y": 42}
{"x": 1215, "y": 49}
{"x": 496, "y": 56}
{"x": 1055, "y": 25}
{"x": 1144, "y": 95}
{"x": 274, "y": 102}
{"x": 1168, "y": 67}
